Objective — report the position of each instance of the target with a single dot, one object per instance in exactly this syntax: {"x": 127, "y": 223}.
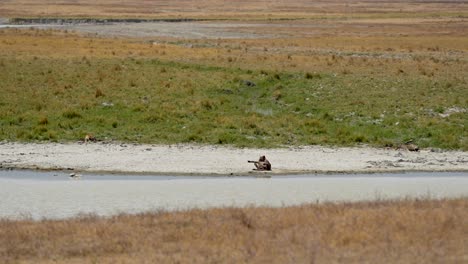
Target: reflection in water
{"x": 55, "y": 195}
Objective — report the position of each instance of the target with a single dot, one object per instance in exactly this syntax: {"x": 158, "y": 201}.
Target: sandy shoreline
{"x": 216, "y": 160}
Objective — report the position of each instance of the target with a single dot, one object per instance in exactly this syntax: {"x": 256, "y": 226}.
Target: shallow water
{"x": 192, "y": 30}
{"x": 40, "y": 26}
{"x": 55, "y": 195}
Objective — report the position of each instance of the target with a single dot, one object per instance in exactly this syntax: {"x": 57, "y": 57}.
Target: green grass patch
{"x": 150, "y": 101}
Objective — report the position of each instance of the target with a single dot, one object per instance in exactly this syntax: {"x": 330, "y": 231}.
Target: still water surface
{"x": 55, "y": 195}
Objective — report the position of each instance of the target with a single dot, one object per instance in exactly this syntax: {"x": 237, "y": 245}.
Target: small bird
{"x": 75, "y": 175}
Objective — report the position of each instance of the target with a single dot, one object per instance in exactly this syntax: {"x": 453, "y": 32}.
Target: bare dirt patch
{"x": 204, "y": 159}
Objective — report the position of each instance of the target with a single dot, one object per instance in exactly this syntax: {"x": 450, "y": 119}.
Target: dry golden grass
{"x": 408, "y": 231}
{"x": 223, "y": 9}
{"x": 442, "y": 55}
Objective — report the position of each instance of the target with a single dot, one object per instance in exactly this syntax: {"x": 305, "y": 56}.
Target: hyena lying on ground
{"x": 262, "y": 164}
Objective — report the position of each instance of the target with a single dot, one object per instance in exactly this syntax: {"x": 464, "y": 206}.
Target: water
{"x": 55, "y": 195}
{"x": 192, "y": 30}
{"x": 185, "y": 30}
{"x": 40, "y": 26}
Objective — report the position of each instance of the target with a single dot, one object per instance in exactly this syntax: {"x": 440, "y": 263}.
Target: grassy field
{"x": 376, "y": 90}
{"x": 333, "y": 74}
{"x": 408, "y": 231}
{"x": 243, "y": 9}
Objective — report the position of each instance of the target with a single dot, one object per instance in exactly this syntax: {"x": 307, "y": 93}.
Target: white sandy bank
{"x": 195, "y": 159}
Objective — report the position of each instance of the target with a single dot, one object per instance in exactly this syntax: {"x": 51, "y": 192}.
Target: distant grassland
{"x": 408, "y": 231}
{"x": 221, "y": 9}
{"x": 170, "y": 94}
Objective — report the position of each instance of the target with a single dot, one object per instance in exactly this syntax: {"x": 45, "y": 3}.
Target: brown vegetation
{"x": 409, "y": 231}
{"x": 416, "y": 53}
{"x": 220, "y": 8}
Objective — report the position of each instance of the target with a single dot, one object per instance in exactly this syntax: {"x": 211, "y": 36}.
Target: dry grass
{"x": 270, "y": 9}
{"x": 408, "y": 231}
{"x": 377, "y": 54}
